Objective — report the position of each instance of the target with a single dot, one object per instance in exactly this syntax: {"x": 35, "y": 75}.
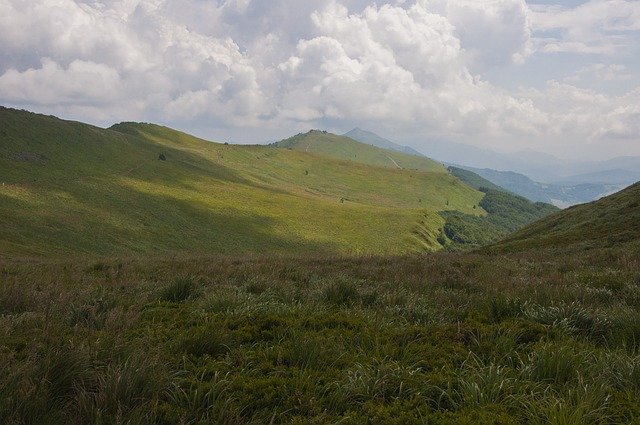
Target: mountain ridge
{"x": 108, "y": 191}
{"x": 373, "y": 139}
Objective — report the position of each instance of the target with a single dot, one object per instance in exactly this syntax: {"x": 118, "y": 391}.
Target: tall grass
{"x": 457, "y": 338}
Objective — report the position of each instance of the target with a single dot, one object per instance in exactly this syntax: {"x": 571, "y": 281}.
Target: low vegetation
{"x": 77, "y": 189}
{"x": 506, "y": 213}
{"x": 315, "y": 328}
{"x": 344, "y": 148}
{"x": 444, "y": 338}
{"x": 69, "y": 188}
{"x": 613, "y": 221}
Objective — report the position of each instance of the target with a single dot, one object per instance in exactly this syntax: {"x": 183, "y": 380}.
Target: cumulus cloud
{"x": 493, "y": 32}
{"x": 595, "y": 27}
{"x": 280, "y": 66}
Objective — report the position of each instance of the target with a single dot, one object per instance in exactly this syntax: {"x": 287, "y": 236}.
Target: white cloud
{"x": 284, "y": 65}
{"x": 393, "y": 63}
{"x": 599, "y": 123}
{"x": 81, "y": 82}
{"x": 494, "y": 32}
{"x": 596, "y": 27}
{"x": 600, "y": 72}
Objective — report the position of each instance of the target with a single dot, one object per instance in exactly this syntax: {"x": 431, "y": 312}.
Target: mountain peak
{"x": 371, "y": 138}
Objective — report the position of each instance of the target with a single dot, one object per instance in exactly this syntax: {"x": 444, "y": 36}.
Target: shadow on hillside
{"x": 78, "y": 152}
{"x": 130, "y": 221}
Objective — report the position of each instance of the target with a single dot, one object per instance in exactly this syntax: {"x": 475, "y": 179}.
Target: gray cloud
{"x": 237, "y": 67}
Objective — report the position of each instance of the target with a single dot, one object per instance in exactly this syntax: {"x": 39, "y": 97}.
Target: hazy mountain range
{"x": 534, "y": 175}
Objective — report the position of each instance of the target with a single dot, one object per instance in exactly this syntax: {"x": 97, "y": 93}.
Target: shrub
{"x": 583, "y": 404}
{"x": 120, "y": 388}
{"x": 15, "y": 298}
{"x": 486, "y": 385}
{"x": 381, "y": 380}
{"x": 497, "y": 344}
{"x": 93, "y": 314}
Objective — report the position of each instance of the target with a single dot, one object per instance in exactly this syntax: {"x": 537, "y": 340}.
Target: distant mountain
{"x": 623, "y": 170}
{"x": 541, "y": 167}
{"x": 346, "y": 148}
{"x": 531, "y": 163}
{"x": 612, "y": 177}
{"x": 561, "y": 195}
{"x": 573, "y": 190}
{"x": 370, "y": 138}
{"x": 608, "y": 222}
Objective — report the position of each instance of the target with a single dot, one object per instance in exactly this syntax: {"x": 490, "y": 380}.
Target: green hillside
{"x": 609, "y": 222}
{"x": 473, "y": 179}
{"x": 498, "y": 214}
{"x": 507, "y": 213}
{"x": 345, "y": 148}
{"x": 71, "y": 188}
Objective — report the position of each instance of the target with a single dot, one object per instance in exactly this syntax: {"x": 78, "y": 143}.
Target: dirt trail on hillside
{"x": 394, "y": 162}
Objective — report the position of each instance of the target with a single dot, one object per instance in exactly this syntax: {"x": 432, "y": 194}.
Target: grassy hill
{"x": 345, "y": 148}
{"x": 498, "y": 214}
{"x": 191, "y": 335}
{"x": 609, "y": 222}
{"x": 473, "y": 179}
{"x": 71, "y": 188}
{"x": 507, "y": 213}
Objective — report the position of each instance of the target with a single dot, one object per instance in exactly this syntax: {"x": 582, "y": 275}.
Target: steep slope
{"x": 370, "y": 138}
{"x": 69, "y": 188}
{"x": 345, "y": 148}
{"x": 608, "y": 222}
{"x": 473, "y": 179}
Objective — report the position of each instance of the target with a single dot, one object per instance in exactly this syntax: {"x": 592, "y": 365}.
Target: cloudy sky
{"x": 561, "y": 77}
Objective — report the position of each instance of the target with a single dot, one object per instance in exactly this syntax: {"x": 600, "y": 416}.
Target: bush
{"x": 574, "y": 319}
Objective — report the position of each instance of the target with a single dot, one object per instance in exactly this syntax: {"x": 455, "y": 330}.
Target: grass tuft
{"x": 180, "y": 289}
{"x": 341, "y": 294}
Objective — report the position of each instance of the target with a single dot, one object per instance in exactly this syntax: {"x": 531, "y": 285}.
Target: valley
{"x": 148, "y": 276}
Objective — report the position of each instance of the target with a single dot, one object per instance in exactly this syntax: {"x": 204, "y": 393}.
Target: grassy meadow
{"x": 151, "y": 277}
{"x": 444, "y": 338}
{"x": 345, "y": 148}
{"x": 72, "y": 189}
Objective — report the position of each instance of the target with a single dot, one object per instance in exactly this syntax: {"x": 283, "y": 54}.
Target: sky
{"x": 560, "y": 77}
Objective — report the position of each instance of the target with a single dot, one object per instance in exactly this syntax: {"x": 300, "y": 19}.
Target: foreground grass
{"x": 446, "y": 338}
